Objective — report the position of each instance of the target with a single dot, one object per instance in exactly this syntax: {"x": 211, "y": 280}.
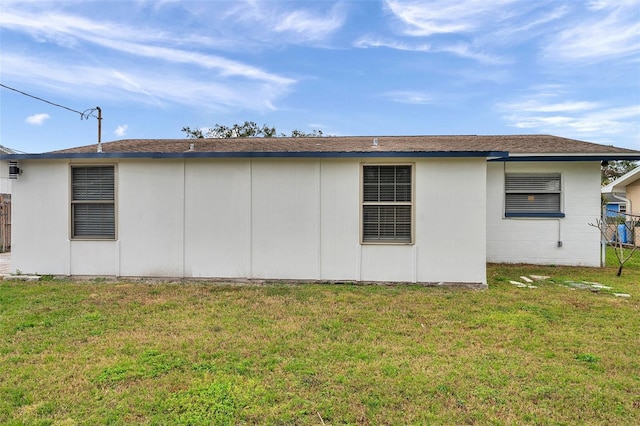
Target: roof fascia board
{"x": 571, "y": 154}
{"x": 585, "y": 157}
{"x": 620, "y": 184}
{"x": 160, "y": 155}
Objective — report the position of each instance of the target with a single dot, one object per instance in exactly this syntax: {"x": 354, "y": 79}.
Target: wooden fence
{"x": 5, "y": 222}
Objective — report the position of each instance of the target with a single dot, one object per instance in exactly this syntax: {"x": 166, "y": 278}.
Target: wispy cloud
{"x": 444, "y": 16}
{"x": 369, "y": 41}
{"x": 611, "y": 30}
{"x": 463, "y": 50}
{"x": 37, "y": 119}
{"x": 410, "y": 97}
{"x": 576, "y": 32}
{"x": 223, "y": 66}
{"x": 156, "y": 74}
{"x": 597, "y": 121}
{"x": 567, "y": 106}
{"x": 310, "y": 26}
{"x": 129, "y": 40}
{"x": 606, "y": 121}
{"x": 67, "y": 29}
{"x": 139, "y": 84}
{"x": 515, "y": 31}
{"x": 462, "y": 28}
{"x": 285, "y": 23}
{"x": 121, "y": 130}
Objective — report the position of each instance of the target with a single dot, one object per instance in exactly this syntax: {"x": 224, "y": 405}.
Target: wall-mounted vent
{"x": 14, "y": 170}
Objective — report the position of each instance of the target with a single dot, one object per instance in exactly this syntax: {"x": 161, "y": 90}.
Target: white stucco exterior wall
{"x": 40, "y": 219}
{"x": 255, "y": 218}
{"x": 218, "y": 219}
{"x": 535, "y": 240}
{"x": 285, "y": 219}
{"x": 151, "y": 212}
{"x": 454, "y": 216}
{"x": 340, "y": 221}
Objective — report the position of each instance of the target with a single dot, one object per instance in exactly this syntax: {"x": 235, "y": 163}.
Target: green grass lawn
{"x": 201, "y": 353}
{"x": 632, "y": 263}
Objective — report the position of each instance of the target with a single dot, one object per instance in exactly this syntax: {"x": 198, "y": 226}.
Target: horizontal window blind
{"x": 532, "y": 183}
{"x": 93, "y": 202}
{"x": 387, "y": 205}
{"x": 533, "y": 194}
{"x": 390, "y": 223}
{"x": 387, "y": 183}
{"x": 93, "y": 183}
{"x": 93, "y": 220}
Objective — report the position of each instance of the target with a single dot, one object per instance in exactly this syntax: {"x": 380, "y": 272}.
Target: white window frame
{"x": 364, "y": 239}
{"x": 515, "y": 193}
{"x": 75, "y": 202}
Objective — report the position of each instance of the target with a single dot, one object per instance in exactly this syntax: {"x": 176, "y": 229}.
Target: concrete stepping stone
{"x": 21, "y": 277}
{"x": 539, "y": 277}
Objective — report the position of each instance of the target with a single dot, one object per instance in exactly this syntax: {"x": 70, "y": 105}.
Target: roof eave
{"x": 620, "y": 184}
{"x": 571, "y": 157}
{"x": 297, "y": 154}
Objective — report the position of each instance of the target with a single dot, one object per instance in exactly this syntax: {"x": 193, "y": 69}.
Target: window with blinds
{"x": 533, "y": 195}
{"x": 93, "y": 202}
{"x": 387, "y": 208}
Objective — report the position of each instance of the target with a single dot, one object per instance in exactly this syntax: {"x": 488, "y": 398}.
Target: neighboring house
{"x": 613, "y": 207}
{"x": 426, "y": 209}
{"x": 5, "y": 182}
{"x": 625, "y": 192}
{"x": 622, "y": 197}
{"x": 5, "y": 201}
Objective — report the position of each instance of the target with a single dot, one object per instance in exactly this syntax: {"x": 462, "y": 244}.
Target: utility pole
{"x": 99, "y": 129}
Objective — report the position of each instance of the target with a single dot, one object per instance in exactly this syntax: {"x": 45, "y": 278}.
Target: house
{"x": 5, "y": 201}
{"x": 622, "y": 198}
{"x": 623, "y": 194}
{"x": 5, "y": 182}
{"x": 614, "y": 207}
{"x": 424, "y": 209}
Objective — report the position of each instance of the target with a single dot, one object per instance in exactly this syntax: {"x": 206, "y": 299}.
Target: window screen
{"x": 387, "y": 203}
{"x": 93, "y": 202}
{"x": 533, "y": 195}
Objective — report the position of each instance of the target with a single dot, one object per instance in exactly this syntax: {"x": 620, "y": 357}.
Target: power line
{"x": 83, "y": 115}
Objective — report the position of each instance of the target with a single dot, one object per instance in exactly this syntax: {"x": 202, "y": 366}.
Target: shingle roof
{"x": 514, "y": 144}
{"x": 493, "y": 148}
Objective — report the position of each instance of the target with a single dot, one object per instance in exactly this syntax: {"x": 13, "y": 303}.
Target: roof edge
{"x": 622, "y": 182}
{"x": 295, "y": 154}
{"x": 569, "y": 157}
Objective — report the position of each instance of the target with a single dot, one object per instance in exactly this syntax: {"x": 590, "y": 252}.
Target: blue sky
{"x": 568, "y": 68}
